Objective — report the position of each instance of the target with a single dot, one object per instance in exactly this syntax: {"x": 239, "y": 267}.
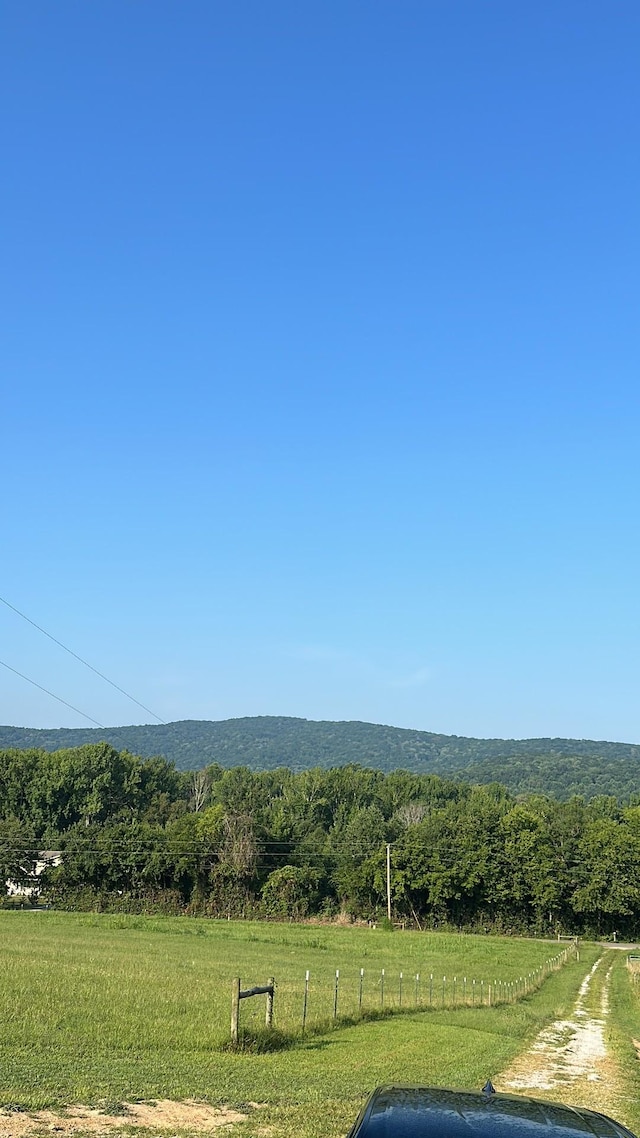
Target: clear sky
{"x": 320, "y": 385}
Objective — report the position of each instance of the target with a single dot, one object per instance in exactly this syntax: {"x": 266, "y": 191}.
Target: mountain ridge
{"x": 548, "y": 765}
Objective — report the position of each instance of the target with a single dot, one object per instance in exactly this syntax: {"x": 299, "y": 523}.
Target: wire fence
{"x": 318, "y": 998}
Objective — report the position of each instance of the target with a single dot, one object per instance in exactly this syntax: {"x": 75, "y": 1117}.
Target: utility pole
{"x": 388, "y": 881}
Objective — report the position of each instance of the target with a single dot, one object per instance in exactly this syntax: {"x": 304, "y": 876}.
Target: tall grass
{"x": 106, "y": 978}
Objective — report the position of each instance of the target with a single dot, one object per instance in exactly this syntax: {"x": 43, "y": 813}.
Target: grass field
{"x": 624, "y": 1039}
{"x": 96, "y": 1008}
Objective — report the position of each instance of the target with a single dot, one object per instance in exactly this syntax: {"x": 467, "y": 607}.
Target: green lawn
{"x": 109, "y": 1008}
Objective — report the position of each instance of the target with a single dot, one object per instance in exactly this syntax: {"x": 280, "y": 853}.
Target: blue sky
{"x": 320, "y": 362}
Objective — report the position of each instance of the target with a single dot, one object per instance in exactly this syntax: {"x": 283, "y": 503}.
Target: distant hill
{"x": 554, "y": 766}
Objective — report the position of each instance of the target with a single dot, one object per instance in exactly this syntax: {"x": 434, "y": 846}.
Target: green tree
{"x": 608, "y": 894}
{"x": 291, "y": 891}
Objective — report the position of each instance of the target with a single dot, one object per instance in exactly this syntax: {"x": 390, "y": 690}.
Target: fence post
{"x": 304, "y": 1002}
{"x": 400, "y": 992}
{"x": 417, "y": 988}
{"x": 360, "y": 990}
{"x": 431, "y": 988}
{"x": 268, "y": 1019}
{"x": 235, "y": 1008}
{"x": 335, "y": 993}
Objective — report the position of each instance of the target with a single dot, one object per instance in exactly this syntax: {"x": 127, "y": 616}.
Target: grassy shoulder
{"x": 623, "y": 1035}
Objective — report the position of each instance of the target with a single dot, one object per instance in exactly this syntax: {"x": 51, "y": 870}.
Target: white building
{"x": 30, "y": 886}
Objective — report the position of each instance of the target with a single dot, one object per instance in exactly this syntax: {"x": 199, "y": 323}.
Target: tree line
{"x": 136, "y": 834}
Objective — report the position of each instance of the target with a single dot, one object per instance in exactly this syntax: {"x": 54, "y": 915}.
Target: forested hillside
{"x": 137, "y": 835}
{"x": 559, "y": 766}
{"x": 557, "y": 775}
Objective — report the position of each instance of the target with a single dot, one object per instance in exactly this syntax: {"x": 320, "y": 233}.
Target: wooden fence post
{"x": 235, "y": 1008}
{"x": 237, "y": 995}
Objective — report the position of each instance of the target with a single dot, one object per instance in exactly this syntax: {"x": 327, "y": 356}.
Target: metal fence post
{"x": 305, "y": 1000}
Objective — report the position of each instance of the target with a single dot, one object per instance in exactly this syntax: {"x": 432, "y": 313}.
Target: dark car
{"x": 433, "y": 1112}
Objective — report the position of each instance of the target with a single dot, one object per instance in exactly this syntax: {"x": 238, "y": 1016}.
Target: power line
{"x": 53, "y": 695}
{"x": 85, "y": 662}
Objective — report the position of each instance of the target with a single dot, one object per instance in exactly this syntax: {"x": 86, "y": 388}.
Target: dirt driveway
{"x": 569, "y": 1051}
{"x": 570, "y": 1060}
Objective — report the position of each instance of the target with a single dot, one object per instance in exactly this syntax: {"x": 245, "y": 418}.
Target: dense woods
{"x": 138, "y": 834}
{"x": 562, "y": 767}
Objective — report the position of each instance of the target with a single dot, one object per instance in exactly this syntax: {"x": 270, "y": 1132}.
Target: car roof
{"x": 437, "y": 1112}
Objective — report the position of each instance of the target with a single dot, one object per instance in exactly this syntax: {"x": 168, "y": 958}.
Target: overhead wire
{"x": 52, "y": 694}
{"x": 82, "y": 661}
